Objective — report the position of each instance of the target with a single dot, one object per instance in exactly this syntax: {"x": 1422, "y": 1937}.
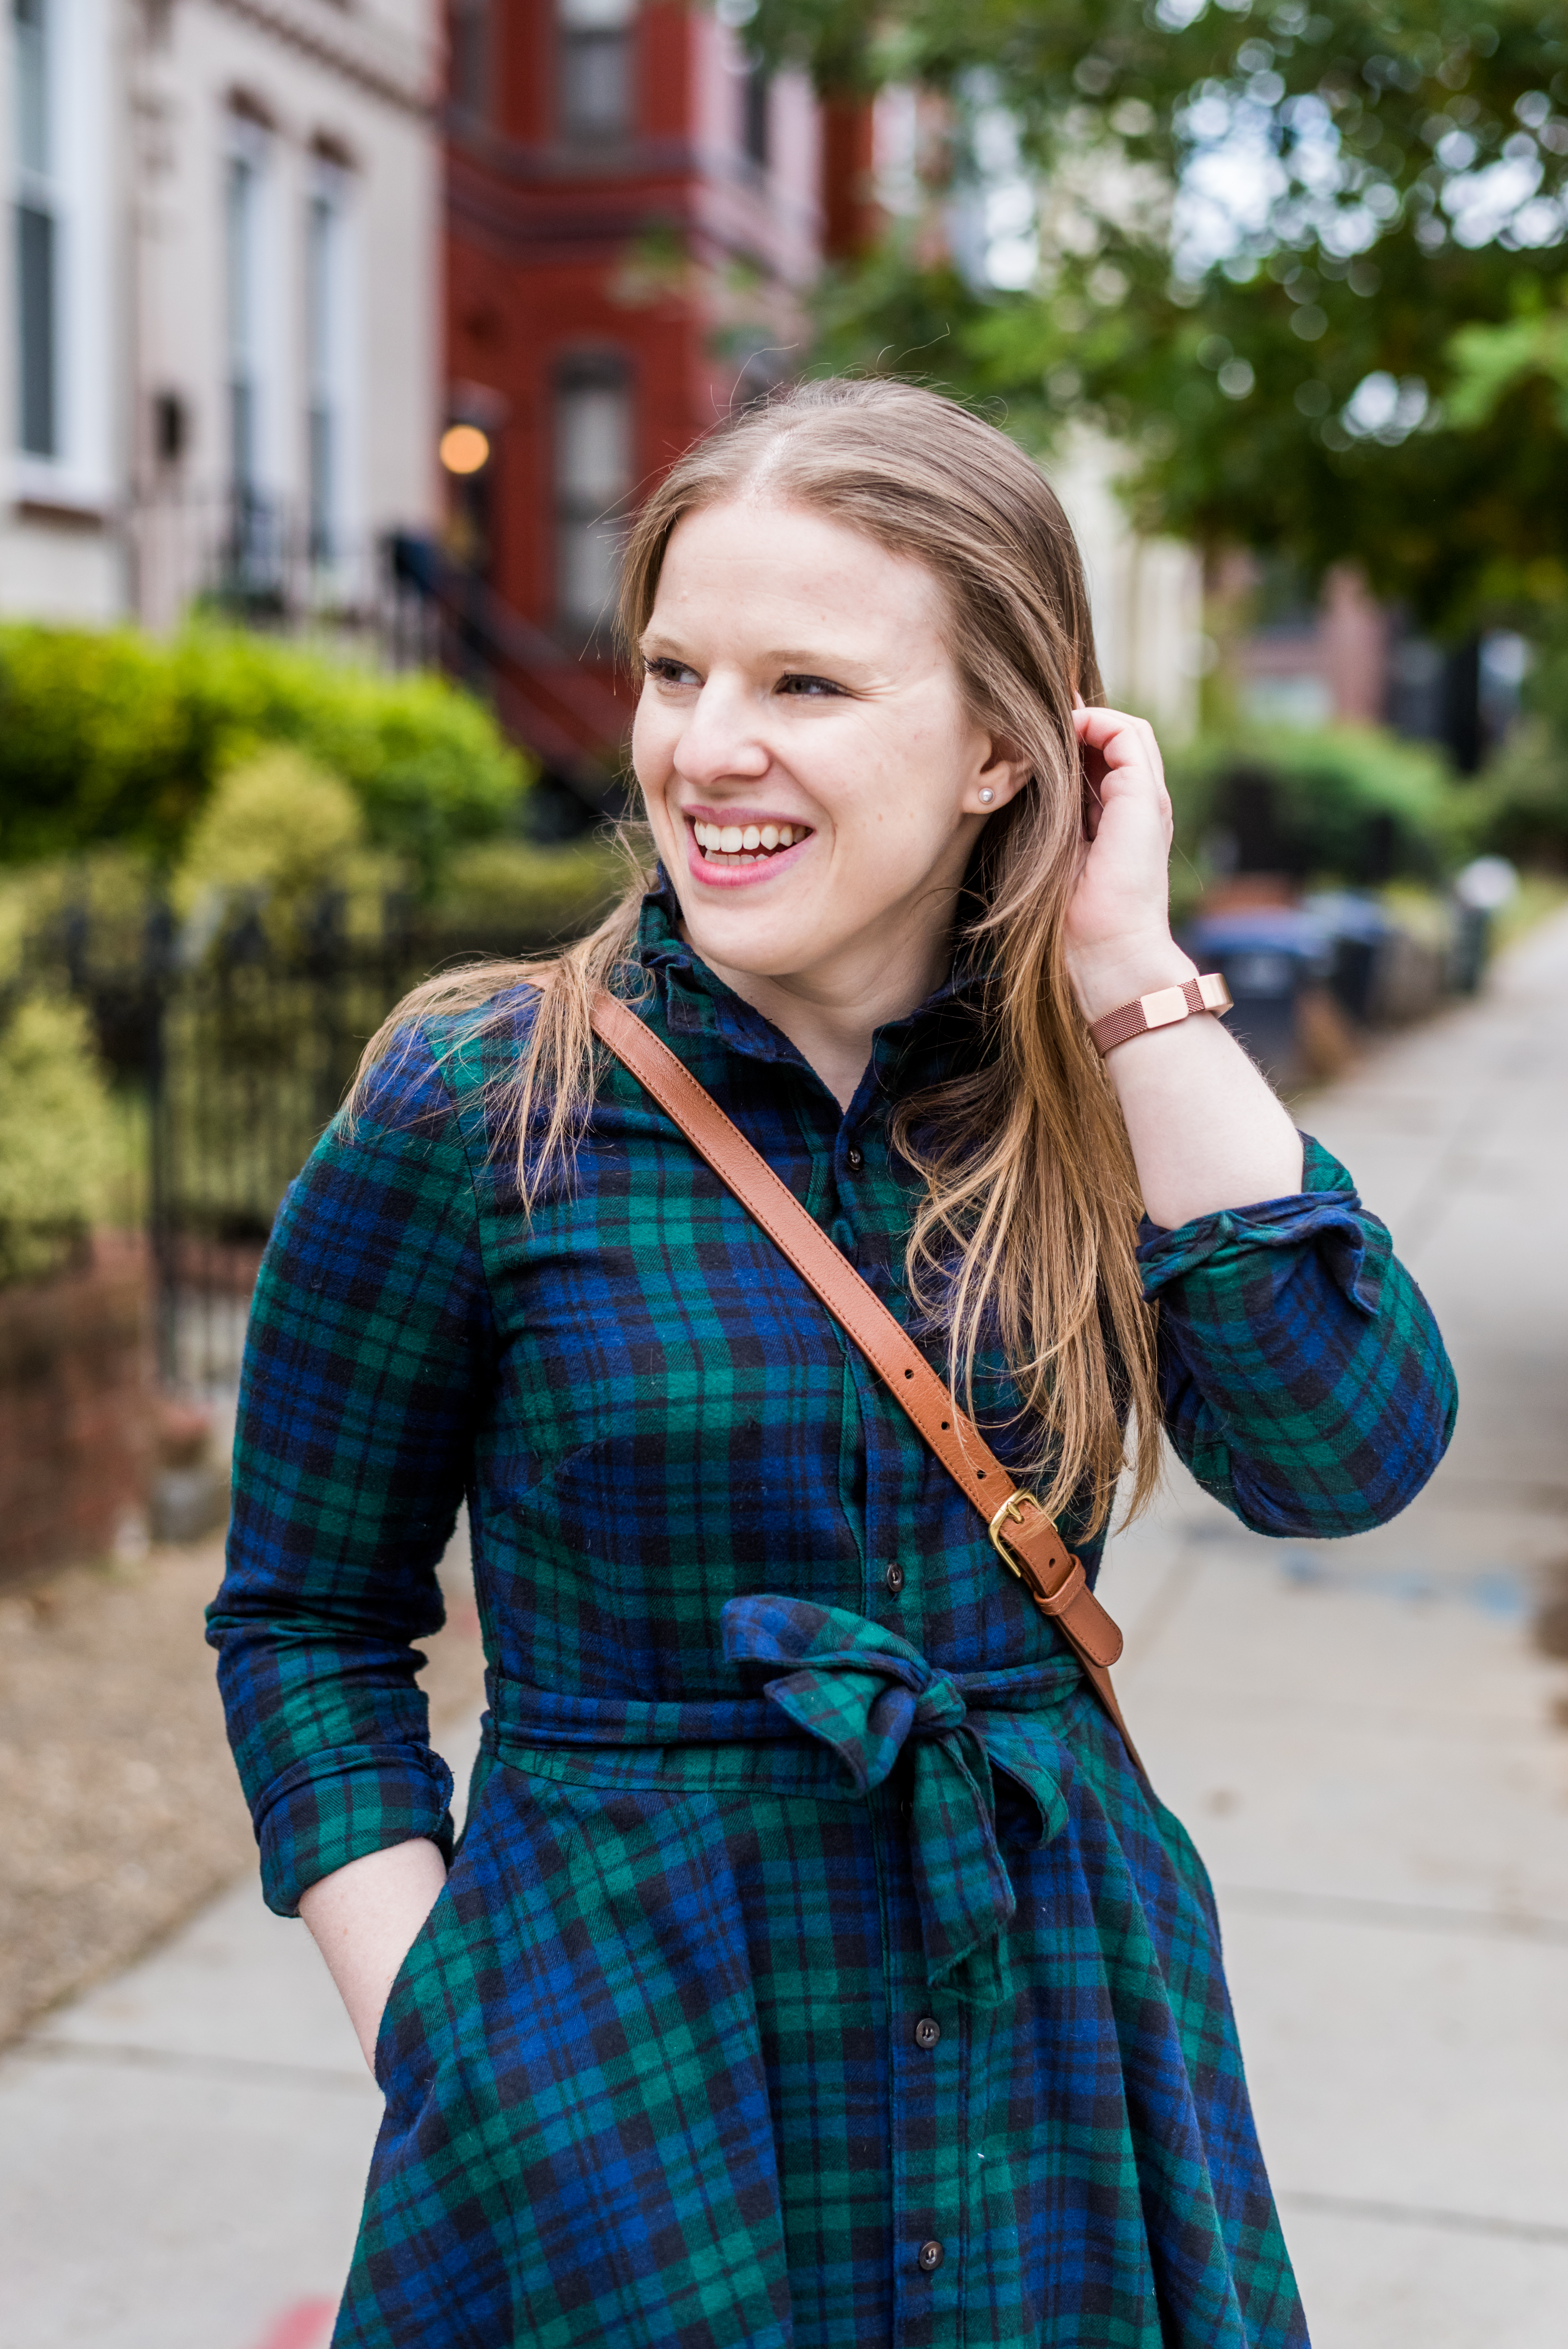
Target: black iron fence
{"x": 236, "y": 1042}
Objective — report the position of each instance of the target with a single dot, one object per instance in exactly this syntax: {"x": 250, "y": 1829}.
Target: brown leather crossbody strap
{"x": 1025, "y": 1539}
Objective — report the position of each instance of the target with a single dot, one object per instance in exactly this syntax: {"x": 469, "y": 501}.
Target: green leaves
{"x": 57, "y": 1152}
{"x": 1491, "y": 362}
{"x": 1289, "y": 256}
{"x": 116, "y": 737}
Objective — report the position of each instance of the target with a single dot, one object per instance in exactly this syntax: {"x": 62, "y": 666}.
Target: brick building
{"x": 633, "y": 212}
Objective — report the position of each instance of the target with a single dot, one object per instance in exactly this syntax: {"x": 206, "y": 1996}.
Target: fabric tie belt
{"x": 867, "y": 1696}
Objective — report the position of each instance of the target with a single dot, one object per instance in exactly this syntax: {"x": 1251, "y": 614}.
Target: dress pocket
{"x": 393, "y": 2044}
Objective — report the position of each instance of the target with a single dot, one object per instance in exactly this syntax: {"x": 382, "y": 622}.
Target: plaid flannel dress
{"x": 814, "y": 1967}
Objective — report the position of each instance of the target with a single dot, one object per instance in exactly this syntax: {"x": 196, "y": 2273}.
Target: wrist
{"x": 1106, "y": 977}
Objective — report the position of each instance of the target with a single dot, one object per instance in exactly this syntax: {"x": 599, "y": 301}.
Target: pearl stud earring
{"x": 987, "y": 798}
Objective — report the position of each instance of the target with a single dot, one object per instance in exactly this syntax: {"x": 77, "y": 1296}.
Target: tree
{"x": 1263, "y": 238}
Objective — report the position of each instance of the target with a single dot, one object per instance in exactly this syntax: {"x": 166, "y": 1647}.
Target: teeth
{"x": 748, "y": 841}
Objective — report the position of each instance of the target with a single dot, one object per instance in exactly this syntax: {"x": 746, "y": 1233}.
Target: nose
{"x": 721, "y": 740}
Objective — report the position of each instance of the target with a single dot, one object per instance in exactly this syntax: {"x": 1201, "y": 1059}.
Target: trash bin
{"x": 1480, "y": 892}
{"x": 1356, "y": 930}
{"x": 1266, "y": 955}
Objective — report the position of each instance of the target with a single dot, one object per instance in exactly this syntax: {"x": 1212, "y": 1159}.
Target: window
{"x": 756, "y": 104}
{"x": 328, "y": 330}
{"x": 596, "y": 68}
{"x": 470, "y": 29}
{"x": 59, "y": 334}
{"x": 37, "y": 235}
{"x": 592, "y": 478}
{"x": 250, "y": 356}
{"x": 241, "y": 237}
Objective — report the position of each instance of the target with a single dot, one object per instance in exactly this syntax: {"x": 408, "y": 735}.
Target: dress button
{"x": 895, "y": 1578}
{"x": 929, "y": 2258}
{"x": 856, "y": 1161}
{"x": 927, "y": 2031}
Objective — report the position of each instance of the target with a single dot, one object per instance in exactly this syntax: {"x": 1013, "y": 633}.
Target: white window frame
{"x": 589, "y": 497}
{"x": 250, "y": 322}
{"x": 75, "y": 190}
{"x": 595, "y": 34}
{"x": 331, "y": 375}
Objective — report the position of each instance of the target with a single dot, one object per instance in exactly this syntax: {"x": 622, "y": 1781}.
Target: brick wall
{"x": 77, "y": 1394}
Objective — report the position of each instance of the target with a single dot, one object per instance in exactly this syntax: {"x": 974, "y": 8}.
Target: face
{"x": 812, "y": 776}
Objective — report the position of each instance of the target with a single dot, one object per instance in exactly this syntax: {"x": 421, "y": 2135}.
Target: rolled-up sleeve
{"x": 1303, "y": 1381}
{"x": 367, "y": 1362}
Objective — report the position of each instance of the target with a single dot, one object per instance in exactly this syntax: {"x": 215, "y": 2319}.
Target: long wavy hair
{"x": 1023, "y": 1239}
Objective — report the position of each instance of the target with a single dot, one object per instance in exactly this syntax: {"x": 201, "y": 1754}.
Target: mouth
{"x": 751, "y": 847}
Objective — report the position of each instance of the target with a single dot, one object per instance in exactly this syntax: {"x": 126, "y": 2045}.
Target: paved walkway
{"x": 1368, "y": 1749}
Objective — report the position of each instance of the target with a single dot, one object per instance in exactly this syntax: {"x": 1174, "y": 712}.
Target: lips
{"x": 745, "y": 847}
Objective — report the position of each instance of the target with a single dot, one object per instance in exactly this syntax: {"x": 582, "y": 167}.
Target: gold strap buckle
{"x": 1013, "y": 1509}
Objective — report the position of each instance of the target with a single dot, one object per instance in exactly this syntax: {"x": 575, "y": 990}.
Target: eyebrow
{"x": 658, "y": 647}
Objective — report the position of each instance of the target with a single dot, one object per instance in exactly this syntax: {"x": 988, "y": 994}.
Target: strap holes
{"x": 981, "y": 1473}
{"x": 945, "y": 1427}
{"x": 909, "y": 1374}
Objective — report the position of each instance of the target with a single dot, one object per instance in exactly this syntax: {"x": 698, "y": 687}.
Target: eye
{"x": 797, "y": 684}
{"x": 670, "y": 672}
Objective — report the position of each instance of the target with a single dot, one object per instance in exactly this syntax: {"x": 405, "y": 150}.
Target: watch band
{"x": 1163, "y": 1008}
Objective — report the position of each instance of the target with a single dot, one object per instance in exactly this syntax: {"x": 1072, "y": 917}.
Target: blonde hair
{"x": 1024, "y": 1238}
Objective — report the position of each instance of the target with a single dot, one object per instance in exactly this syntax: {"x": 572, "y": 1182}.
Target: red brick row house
{"x": 634, "y": 214}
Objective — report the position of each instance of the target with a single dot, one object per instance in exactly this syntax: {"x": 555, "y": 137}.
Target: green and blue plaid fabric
{"x": 814, "y": 1967}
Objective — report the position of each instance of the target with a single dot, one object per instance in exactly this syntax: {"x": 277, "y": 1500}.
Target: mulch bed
{"x": 122, "y": 1813}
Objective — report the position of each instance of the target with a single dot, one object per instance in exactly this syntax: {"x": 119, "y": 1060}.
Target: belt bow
{"x": 869, "y": 1695}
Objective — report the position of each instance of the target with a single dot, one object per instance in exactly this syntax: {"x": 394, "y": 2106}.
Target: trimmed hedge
{"x": 1343, "y": 804}
{"x": 117, "y": 738}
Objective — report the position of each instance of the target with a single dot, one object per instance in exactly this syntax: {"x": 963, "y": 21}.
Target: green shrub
{"x": 115, "y": 737}
{"x": 1347, "y": 804}
{"x": 58, "y": 1144}
{"x": 1521, "y": 799}
{"x": 504, "y": 889}
{"x": 278, "y": 834}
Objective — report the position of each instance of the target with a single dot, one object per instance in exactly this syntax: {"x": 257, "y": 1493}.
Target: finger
{"x": 1125, "y": 744}
{"x": 1099, "y": 726}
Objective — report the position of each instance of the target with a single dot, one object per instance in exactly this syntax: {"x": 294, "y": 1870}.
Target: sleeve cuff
{"x": 1326, "y": 1214}
{"x": 342, "y": 1804}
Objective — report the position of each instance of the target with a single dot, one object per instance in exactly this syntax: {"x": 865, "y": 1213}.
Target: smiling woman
{"x": 798, "y": 680}
{"x": 817, "y": 1968}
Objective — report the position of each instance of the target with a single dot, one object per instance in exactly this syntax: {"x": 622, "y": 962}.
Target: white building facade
{"x": 1147, "y": 594}
{"x": 221, "y": 328}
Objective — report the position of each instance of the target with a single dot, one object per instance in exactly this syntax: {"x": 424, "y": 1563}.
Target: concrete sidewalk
{"x": 1370, "y": 1751}
{"x": 1373, "y": 1757}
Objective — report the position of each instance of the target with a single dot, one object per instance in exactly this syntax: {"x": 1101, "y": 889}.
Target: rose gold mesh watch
{"x": 1163, "y": 1008}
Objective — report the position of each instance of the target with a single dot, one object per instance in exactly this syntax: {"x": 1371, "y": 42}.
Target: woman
{"x": 687, "y": 2047}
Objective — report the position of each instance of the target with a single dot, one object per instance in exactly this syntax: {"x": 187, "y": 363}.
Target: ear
{"x": 1000, "y": 774}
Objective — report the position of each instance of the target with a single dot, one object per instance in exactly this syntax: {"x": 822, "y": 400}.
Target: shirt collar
{"x": 917, "y": 1050}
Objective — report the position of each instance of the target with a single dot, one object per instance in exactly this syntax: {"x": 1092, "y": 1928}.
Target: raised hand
{"x": 1117, "y": 927}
